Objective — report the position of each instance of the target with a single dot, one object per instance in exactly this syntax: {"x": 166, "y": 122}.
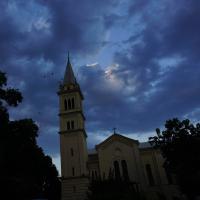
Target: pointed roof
{"x": 69, "y": 74}
{"x": 115, "y": 137}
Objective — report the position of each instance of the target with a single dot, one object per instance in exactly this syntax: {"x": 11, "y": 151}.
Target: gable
{"x": 117, "y": 138}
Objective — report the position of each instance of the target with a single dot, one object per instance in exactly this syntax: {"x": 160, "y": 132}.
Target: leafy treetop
{"x": 180, "y": 146}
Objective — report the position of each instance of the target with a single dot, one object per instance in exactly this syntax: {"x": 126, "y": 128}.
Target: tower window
{"x": 73, "y": 104}
{"x": 72, "y": 152}
{"x": 150, "y": 175}
{"x": 73, "y": 171}
{"x": 124, "y": 170}
{"x": 68, "y": 125}
{"x": 65, "y": 104}
{"x": 69, "y": 104}
{"x": 117, "y": 170}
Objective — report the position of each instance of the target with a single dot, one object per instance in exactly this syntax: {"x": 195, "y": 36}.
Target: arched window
{"x": 72, "y": 124}
{"x": 68, "y": 125}
{"x": 150, "y": 175}
{"x": 65, "y": 104}
{"x": 73, "y": 104}
{"x": 117, "y": 170}
{"x": 124, "y": 170}
{"x": 69, "y": 104}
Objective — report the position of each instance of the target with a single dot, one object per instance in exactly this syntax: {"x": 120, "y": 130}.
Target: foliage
{"x": 25, "y": 171}
{"x": 112, "y": 189}
{"x": 180, "y": 146}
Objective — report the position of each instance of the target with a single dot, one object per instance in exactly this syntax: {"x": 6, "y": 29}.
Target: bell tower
{"x": 73, "y": 146}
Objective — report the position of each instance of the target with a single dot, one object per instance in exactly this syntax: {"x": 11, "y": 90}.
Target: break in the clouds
{"x": 137, "y": 62}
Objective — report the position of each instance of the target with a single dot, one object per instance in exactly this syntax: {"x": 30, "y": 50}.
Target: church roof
{"x": 69, "y": 74}
{"x": 142, "y": 145}
{"x": 116, "y": 136}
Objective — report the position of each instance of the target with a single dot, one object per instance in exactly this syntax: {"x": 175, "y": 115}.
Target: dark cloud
{"x": 34, "y": 39}
{"x": 154, "y": 74}
{"x": 173, "y": 90}
{"x": 157, "y": 77}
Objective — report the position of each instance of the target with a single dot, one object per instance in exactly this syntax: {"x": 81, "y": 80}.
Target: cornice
{"x": 63, "y": 91}
{"x": 73, "y": 131}
{"x": 72, "y": 112}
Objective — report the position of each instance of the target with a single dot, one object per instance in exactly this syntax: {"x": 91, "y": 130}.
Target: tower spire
{"x": 68, "y": 60}
{"x": 69, "y": 76}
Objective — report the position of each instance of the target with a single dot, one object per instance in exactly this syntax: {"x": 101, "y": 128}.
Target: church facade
{"x": 126, "y": 158}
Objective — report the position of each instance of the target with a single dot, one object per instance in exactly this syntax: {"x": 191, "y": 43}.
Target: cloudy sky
{"x": 137, "y": 61}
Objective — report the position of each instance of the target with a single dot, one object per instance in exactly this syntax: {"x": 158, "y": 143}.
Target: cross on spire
{"x": 114, "y": 130}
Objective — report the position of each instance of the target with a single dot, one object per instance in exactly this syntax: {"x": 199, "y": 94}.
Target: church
{"x": 127, "y": 158}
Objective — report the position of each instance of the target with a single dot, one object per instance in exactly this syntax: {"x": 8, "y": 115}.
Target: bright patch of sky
{"x": 167, "y": 64}
{"x": 115, "y": 37}
{"x": 116, "y": 40}
{"x": 92, "y": 64}
{"x": 193, "y": 115}
{"x": 56, "y": 161}
{"x": 109, "y": 69}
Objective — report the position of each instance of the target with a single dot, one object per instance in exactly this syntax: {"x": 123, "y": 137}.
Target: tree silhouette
{"x": 25, "y": 171}
{"x": 180, "y": 146}
{"x": 112, "y": 189}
